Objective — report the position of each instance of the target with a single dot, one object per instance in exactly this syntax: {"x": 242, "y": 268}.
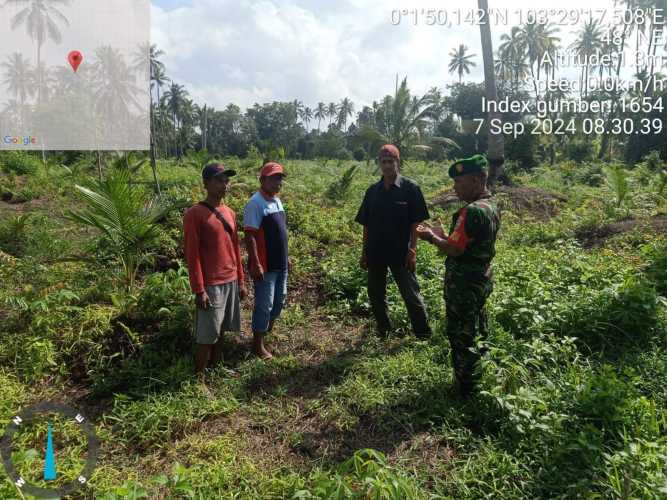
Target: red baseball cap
{"x": 271, "y": 168}
{"x": 389, "y": 150}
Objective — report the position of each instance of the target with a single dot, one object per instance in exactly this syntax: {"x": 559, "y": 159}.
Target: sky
{"x": 247, "y": 51}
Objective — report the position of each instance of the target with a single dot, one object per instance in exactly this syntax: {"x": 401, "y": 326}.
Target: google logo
{"x": 8, "y": 139}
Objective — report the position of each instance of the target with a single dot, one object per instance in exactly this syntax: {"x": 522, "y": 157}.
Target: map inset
{"x": 74, "y": 74}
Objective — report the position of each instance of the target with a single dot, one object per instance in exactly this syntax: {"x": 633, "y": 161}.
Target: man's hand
{"x": 243, "y": 292}
{"x": 289, "y": 265}
{"x": 424, "y": 232}
{"x": 202, "y": 300}
{"x": 411, "y": 260}
{"x": 438, "y": 230}
{"x": 363, "y": 261}
{"x": 257, "y": 272}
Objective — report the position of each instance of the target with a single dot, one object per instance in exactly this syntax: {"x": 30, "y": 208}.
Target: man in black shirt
{"x": 390, "y": 213}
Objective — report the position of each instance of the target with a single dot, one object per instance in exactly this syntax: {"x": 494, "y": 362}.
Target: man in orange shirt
{"x": 214, "y": 265}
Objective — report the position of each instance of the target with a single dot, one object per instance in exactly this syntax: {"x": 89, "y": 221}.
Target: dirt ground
{"x": 540, "y": 203}
{"x": 596, "y": 237}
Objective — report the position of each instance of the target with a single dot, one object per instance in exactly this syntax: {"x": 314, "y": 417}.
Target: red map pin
{"x": 75, "y": 58}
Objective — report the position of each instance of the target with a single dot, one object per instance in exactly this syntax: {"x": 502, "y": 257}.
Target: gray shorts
{"x": 224, "y": 314}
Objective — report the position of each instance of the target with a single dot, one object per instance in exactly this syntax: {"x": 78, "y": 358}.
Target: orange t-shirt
{"x": 212, "y": 256}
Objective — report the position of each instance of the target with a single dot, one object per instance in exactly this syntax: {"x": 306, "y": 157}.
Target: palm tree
{"x": 175, "y": 98}
{"x": 496, "y": 145}
{"x": 298, "y": 109}
{"x": 548, "y": 44}
{"x": 41, "y": 76}
{"x": 537, "y": 39}
{"x": 41, "y": 20}
{"x": 125, "y": 216}
{"x": 345, "y": 110}
{"x": 460, "y": 61}
{"x": 114, "y": 85}
{"x": 146, "y": 62}
{"x": 403, "y": 117}
{"x": 587, "y": 43}
{"x": 18, "y": 80}
{"x": 513, "y": 51}
{"x": 332, "y": 110}
{"x": 306, "y": 115}
{"x": 159, "y": 80}
{"x": 320, "y": 113}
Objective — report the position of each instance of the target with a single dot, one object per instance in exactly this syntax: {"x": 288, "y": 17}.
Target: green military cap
{"x": 473, "y": 165}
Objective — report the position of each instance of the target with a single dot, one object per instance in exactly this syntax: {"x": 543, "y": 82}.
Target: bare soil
{"x": 596, "y": 237}
{"x": 539, "y": 203}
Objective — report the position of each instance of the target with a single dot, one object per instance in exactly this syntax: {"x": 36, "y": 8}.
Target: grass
{"x": 573, "y": 400}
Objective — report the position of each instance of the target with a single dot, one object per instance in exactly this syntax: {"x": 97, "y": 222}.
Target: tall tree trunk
{"x": 39, "y": 73}
{"x": 496, "y": 144}
{"x": 607, "y": 138}
{"x": 152, "y": 155}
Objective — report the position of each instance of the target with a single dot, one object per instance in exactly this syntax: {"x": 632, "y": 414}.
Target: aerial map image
{"x": 75, "y": 75}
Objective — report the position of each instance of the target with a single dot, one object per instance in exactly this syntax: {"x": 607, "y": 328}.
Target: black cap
{"x": 214, "y": 170}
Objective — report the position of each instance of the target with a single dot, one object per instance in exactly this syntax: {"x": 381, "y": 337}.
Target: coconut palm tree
{"x": 513, "y": 51}
{"x": 587, "y": 43}
{"x": 175, "y": 97}
{"x": 297, "y": 106}
{"x": 320, "y": 113}
{"x": 404, "y": 117}
{"x": 147, "y": 64}
{"x": 332, "y": 110}
{"x": 159, "y": 80}
{"x": 114, "y": 85}
{"x": 145, "y": 60}
{"x": 306, "y": 116}
{"x": 548, "y": 44}
{"x": 41, "y": 19}
{"x": 460, "y": 61}
{"x": 345, "y": 110}
{"x": 18, "y": 79}
{"x": 496, "y": 145}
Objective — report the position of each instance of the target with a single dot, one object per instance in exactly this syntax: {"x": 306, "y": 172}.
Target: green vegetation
{"x": 573, "y": 403}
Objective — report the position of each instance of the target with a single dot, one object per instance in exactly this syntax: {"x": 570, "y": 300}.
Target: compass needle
{"x": 50, "y": 459}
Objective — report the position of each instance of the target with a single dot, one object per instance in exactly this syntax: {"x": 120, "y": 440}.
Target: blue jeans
{"x": 269, "y": 299}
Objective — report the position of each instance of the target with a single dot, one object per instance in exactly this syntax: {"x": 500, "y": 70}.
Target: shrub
{"x": 344, "y": 154}
{"x": 19, "y": 163}
{"x": 359, "y": 154}
{"x": 579, "y": 150}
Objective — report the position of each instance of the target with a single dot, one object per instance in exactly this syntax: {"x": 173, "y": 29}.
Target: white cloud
{"x": 246, "y": 51}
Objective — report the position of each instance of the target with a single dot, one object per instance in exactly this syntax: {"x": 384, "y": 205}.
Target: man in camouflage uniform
{"x": 470, "y": 247}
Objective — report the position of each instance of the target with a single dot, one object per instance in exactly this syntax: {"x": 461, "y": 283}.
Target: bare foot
{"x": 204, "y": 388}
{"x": 262, "y": 353}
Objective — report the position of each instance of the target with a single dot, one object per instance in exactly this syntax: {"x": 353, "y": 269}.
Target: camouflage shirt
{"x": 474, "y": 229}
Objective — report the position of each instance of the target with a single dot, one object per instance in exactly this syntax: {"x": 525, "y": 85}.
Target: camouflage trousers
{"x": 466, "y": 325}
